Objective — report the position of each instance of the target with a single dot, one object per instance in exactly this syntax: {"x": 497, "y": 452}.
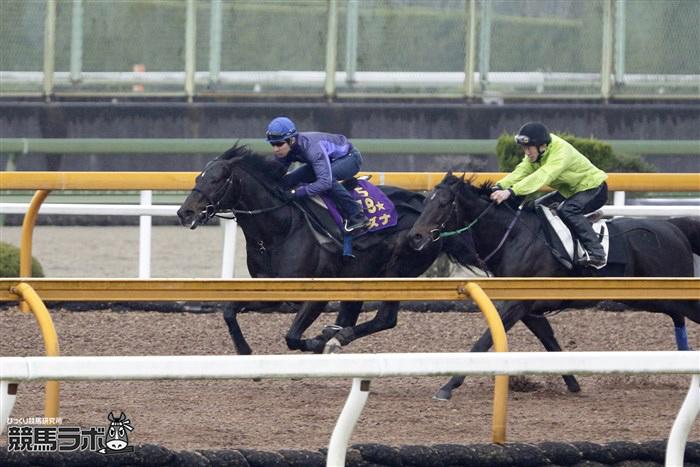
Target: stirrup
{"x": 356, "y": 226}
{"x": 590, "y": 261}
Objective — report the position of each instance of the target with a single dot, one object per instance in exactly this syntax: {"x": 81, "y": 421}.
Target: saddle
{"x": 326, "y": 223}
{"x": 566, "y": 248}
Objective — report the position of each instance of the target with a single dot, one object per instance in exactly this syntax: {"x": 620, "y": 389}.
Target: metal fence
{"x": 479, "y": 49}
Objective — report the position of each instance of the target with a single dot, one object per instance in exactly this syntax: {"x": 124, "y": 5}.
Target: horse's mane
{"x": 467, "y": 186}
{"x": 267, "y": 168}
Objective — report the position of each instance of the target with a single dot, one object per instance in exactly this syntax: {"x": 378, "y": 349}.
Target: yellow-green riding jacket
{"x": 561, "y": 167}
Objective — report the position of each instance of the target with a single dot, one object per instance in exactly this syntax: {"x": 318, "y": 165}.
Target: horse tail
{"x": 691, "y": 229}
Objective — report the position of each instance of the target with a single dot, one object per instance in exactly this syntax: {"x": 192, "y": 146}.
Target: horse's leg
{"x": 230, "y": 316}
{"x": 385, "y": 318}
{"x": 347, "y": 316}
{"x": 542, "y": 329}
{"x": 231, "y": 311}
{"x": 684, "y": 309}
{"x": 681, "y": 333}
{"x": 513, "y": 313}
{"x": 678, "y": 311}
{"x": 349, "y": 313}
{"x": 304, "y": 318}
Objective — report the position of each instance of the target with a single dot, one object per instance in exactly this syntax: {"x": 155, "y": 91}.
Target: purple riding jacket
{"x": 318, "y": 150}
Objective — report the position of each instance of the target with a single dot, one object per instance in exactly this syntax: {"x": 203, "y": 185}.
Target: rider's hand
{"x": 299, "y": 192}
{"x": 501, "y": 195}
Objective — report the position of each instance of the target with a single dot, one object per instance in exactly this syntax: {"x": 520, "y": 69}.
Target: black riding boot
{"x": 595, "y": 254}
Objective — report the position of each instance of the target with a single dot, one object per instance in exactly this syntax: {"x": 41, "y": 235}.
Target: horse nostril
{"x": 184, "y": 215}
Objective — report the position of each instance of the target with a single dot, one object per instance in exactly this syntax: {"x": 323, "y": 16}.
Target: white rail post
{"x": 228, "y": 256}
{"x": 619, "y": 198}
{"x": 675, "y": 449}
{"x": 346, "y": 422}
{"x": 145, "y": 237}
{"x": 8, "y": 394}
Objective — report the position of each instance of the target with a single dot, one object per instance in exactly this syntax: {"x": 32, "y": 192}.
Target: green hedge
{"x": 9, "y": 262}
{"x": 600, "y": 154}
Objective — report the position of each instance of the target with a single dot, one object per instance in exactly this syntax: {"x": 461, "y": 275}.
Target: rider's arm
{"x": 550, "y": 170}
{"x": 522, "y": 170}
{"x": 321, "y": 165}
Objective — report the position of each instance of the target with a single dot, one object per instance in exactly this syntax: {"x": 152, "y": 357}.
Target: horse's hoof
{"x": 574, "y": 388}
{"x": 443, "y": 395}
{"x": 571, "y": 383}
{"x": 315, "y": 345}
{"x": 332, "y": 346}
{"x": 257, "y": 380}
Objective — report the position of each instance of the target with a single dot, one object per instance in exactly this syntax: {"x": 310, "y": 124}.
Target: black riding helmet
{"x": 533, "y": 134}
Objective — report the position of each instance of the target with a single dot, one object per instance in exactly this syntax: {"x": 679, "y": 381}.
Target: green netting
{"x": 22, "y": 35}
{"x": 548, "y": 37}
{"x": 662, "y": 37}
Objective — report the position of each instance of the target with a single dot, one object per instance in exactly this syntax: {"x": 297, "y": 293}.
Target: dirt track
{"x": 301, "y": 414}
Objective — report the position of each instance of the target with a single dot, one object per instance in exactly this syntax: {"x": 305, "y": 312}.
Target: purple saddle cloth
{"x": 377, "y": 206}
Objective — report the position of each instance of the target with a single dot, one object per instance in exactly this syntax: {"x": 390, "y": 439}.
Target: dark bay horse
{"x": 513, "y": 245}
{"x": 280, "y": 242}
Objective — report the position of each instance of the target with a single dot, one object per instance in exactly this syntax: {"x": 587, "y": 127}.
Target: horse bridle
{"x": 214, "y": 208}
{"x": 438, "y": 233}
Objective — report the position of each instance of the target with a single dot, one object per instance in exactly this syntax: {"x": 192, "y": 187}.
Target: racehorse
{"x": 281, "y": 242}
{"x": 512, "y": 243}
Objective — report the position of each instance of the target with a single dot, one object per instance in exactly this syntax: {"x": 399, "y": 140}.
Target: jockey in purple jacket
{"x": 326, "y": 158}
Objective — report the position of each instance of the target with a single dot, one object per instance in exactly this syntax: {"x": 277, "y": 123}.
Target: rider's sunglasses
{"x": 278, "y": 143}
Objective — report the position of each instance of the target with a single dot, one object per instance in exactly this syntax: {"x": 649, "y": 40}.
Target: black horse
{"x": 513, "y": 245}
{"x": 281, "y": 242}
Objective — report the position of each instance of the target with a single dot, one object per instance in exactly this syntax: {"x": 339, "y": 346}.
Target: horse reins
{"x": 213, "y": 209}
{"x": 510, "y": 228}
{"x": 437, "y": 233}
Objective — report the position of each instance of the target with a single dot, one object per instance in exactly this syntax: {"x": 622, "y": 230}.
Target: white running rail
{"x": 362, "y": 368}
{"x": 145, "y": 210}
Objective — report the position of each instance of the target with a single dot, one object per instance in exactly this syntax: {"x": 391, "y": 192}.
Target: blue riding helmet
{"x": 280, "y": 129}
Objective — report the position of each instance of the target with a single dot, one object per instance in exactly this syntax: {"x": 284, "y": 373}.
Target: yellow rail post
{"x": 48, "y": 332}
{"x": 500, "y": 344}
{"x": 25, "y": 250}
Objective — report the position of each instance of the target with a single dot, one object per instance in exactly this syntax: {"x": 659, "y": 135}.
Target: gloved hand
{"x": 299, "y": 192}
{"x": 501, "y": 195}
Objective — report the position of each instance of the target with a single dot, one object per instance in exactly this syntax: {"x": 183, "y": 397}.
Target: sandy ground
{"x": 300, "y": 414}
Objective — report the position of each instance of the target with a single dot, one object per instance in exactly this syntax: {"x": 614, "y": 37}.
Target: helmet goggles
{"x": 522, "y": 140}
{"x": 274, "y": 137}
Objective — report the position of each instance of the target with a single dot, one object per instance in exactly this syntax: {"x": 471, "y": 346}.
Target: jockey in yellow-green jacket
{"x": 580, "y": 185}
